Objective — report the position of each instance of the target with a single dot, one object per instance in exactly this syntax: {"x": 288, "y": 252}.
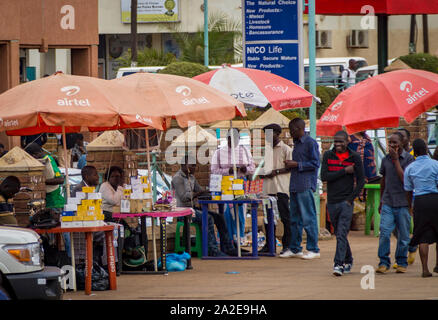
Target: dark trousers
{"x": 283, "y": 208}
{"x": 225, "y": 240}
{"x": 341, "y": 214}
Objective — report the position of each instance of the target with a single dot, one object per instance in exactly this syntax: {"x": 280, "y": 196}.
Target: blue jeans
{"x": 212, "y": 242}
{"x": 390, "y": 218}
{"x": 341, "y": 214}
{"x": 303, "y": 214}
{"x": 230, "y": 219}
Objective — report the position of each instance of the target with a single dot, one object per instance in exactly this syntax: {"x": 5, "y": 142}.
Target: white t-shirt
{"x": 349, "y": 77}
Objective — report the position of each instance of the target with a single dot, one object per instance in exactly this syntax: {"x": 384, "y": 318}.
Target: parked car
{"x": 22, "y": 271}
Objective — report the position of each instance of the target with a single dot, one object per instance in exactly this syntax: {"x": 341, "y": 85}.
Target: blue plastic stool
{"x": 197, "y": 248}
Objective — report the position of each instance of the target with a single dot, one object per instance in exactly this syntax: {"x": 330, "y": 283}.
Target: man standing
{"x": 277, "y": 178}
{"x": 361, "y": 143}
{"x": 187, "y": 190}
{"x": 412, "y": 250}
{"x": 341, "y": 167}
{"x": 349, "y": 74}
{"x": 304, "y": 164}
{"x": 8, "y": 188}
{"x": 39, "y": 139}
{"x": 222, "y": 163}
{"x": 394, "y": 206}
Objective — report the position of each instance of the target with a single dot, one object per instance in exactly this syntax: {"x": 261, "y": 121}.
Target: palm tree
{"x": 224, "y": 41}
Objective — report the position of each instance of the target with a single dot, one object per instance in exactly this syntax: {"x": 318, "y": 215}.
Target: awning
{"x": 390, "y": 7}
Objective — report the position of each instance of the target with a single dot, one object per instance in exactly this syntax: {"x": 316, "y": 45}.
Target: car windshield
{"x": 325, "y": 73}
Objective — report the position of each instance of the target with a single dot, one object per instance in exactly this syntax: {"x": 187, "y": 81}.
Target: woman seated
{"x": 112, "y": 191}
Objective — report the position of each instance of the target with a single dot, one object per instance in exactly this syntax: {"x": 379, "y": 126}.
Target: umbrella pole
{"x": 153, "y": 219}
{"x": 233, "y": 160}
{"x": 66, "y": 162}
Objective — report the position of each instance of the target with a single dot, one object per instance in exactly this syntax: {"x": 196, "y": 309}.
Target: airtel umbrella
{"x": 66, "y": 103}
{"x": 380, "y": 101}
{"x": 257, "y": 88}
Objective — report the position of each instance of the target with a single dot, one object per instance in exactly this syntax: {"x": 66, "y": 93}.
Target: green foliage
{"x": 254, "y": 113}
{"x": 224, "y": 41}
{"x": 327, "y": 95}
{"x": 185, "y": 69}
{"x": 295, "y": 113}
{"x": 147, "y": 57}
{"x": 422, "y": 61}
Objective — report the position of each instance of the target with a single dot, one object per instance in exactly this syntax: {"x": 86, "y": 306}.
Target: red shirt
{"x": 343, "y": 156}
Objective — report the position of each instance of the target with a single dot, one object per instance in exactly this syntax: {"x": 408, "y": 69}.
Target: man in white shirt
{"x": 277, "y": 178}
{"x": 349, "y": 74}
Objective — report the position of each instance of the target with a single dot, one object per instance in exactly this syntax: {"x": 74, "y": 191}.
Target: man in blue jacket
{"x": 303, "y": 179}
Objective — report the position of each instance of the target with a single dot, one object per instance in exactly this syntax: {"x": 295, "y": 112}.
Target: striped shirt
{"x": 222, "y": 160}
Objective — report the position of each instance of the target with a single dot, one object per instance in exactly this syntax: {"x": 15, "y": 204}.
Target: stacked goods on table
{"x": 84, "y": 210}
{"x": 30, "y": 172}
{"x": 226, "y": 187}
{"x": 108, "y": 150}
{"x": 137, "y": 196}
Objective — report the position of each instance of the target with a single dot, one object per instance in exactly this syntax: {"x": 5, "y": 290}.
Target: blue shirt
{"x": 422, "y": 176}
{"x": 306, "y": 153}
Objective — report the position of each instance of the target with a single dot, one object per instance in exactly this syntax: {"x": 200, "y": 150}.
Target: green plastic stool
{"x": 372, "y": 208}
{"x": 197, "y": 248}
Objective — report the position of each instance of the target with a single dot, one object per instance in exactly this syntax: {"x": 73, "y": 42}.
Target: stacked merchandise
{"x": 137, "y": 196}
{"x": 84, "y": 210}
{"x": 226, "y": 187}
{"x": 30, "y": 172}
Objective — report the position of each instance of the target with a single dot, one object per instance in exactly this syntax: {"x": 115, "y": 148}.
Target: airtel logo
{"x": 71, "y": 90}
{"x": 184, "y": 90}
{"x": 336, "y": 106}
{"x": 406, "y": 86}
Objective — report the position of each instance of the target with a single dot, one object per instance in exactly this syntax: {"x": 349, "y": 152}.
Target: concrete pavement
{"x": 276, "y": 278}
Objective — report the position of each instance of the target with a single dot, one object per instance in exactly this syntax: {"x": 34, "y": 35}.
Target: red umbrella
{"x": 257, "y": 88}
{"x": 380, "y": 101}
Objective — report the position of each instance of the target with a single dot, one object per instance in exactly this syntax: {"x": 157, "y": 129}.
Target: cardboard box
{"x": 227, "y": 197}
{"x": 70, "y": 207}
{"x": 88, "y": 189}
{"x": 66, "y": 224}
{"x": 94, "y": 223}
{"x": 76, "y": 224}
{"x": 125, "y": 206}
{"x": 66, "y": 218}
{"x": 76, "y": 201}
{"x": 94, "y": 196}
{"x": 81, "y": 195}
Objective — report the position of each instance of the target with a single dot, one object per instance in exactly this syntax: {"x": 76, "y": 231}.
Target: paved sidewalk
{"x": 275, "y": 278}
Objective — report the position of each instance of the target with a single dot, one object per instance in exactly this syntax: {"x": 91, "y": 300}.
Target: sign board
{"x": 149, "y": 11}
{"x": 272, "y": 38}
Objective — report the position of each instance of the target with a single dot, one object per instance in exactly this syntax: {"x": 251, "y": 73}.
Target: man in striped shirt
{"x": 222, "y": 163}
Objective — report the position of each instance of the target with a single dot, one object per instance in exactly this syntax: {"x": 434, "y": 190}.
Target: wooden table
{"x": 89, "y": 252}
{"x": 162, "y": 215}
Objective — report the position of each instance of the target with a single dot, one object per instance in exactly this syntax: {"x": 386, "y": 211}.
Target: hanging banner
{"x": 149, "y": 11}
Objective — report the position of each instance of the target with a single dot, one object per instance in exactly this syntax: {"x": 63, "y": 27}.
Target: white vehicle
{"x": 329, "y": 70}
{"x": 22, "y": 271}
{"x": 130, "y": 70}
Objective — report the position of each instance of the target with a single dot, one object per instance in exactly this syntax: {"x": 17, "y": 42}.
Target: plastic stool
{"x": 198, "y": 242}
{"x": 372, "y": 208}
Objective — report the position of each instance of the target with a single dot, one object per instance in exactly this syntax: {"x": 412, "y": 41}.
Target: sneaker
{"x": 347, "y": 267}
{"x": 411, "y": 257}
{"x": 395, "y": 266}
{"x": 401, "y": 269}
{"x": 382, "y": 269}
{"x": 338, "y": 271}
{"x": 311, "y": 255}
{"x": 289, "y": 254}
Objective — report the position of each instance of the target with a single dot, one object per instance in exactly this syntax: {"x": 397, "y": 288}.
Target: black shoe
{"x": 218, "y": 253}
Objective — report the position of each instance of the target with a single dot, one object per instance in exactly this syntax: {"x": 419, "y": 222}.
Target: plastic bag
{"x": 175, "y": 262}
{"x": 99, "y": 278}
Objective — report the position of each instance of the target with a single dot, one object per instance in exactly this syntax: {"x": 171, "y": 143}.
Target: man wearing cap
{"x": 222, "y": 163}
{"x": 276, "y": 178}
